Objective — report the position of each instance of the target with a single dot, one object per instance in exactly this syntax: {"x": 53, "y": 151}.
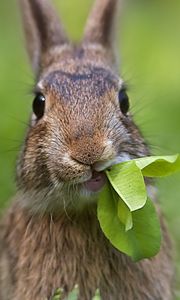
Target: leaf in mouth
{"x": 127, "y": 216}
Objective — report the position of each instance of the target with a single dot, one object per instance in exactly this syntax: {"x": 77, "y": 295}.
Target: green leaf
{"x": 158, "y": 166}
{"x": 146, "y": 232}
{"x": 58, "y": 294}
{"x": 74, "y": 294}
{"x": 110, "y": 223}
{"x": 124, "y": 214}
{"x": 143, "y": 240}
{"x": 127, "y": 180}
{"x": 97, "y": 295}
{"x": 123, "y": 211}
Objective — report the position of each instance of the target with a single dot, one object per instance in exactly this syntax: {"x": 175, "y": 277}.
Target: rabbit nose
{"x": 86, "y": 150}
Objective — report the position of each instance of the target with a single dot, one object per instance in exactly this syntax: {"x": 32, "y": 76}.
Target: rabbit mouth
{"x": 98, "y": 178}
{"x": 96, "y": 182}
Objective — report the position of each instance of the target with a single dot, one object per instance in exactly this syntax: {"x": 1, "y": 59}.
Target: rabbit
{"x": 50, "y": 236}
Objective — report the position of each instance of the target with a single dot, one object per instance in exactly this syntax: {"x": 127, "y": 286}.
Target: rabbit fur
{"x": 50, "y": 237}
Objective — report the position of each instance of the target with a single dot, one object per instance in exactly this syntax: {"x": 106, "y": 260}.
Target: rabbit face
{"x": 81, "y": 124}
{"x": 81, "y": 131}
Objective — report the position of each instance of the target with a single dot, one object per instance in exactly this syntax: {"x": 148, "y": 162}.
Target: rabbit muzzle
{"x": 98, "y": 178}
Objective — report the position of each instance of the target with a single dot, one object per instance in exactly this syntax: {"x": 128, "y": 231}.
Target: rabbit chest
{"x": 60, "y": 252}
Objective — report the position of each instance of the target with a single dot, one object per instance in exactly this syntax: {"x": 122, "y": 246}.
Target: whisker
{"x": 16, "y": 149}
{"x": 27, "y": 124}
{"x": 65, "y": 210}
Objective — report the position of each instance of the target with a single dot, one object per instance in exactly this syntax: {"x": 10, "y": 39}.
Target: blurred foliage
{"x": 149, "y": 40}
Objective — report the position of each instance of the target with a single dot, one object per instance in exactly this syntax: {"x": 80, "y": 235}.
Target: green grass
{"x": 150, "y": 63}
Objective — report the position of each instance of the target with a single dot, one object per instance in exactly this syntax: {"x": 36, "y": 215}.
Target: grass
{"x": 150, "y": 47}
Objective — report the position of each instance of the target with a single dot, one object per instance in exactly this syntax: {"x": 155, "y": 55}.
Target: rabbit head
{"x": 80, "y": 123}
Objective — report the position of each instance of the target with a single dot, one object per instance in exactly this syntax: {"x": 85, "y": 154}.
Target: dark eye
{"x": 123, "y": 101}
{"x": 39, "y": 105}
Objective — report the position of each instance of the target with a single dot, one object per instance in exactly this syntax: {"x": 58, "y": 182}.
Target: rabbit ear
{"x": 42, "y": 29}
{"x": 100, "y": 24}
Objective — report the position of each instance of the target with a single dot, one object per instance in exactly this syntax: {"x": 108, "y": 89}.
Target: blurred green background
{"x": 149, "y": 40}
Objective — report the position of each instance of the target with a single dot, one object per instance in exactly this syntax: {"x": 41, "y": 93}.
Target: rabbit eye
{"x": 123, "y": 101}
{"x": 39, "y": 105}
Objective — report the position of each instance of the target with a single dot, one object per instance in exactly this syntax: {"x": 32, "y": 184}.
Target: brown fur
{"x": 50, "y": 237}
{"x": 51, "y": 252}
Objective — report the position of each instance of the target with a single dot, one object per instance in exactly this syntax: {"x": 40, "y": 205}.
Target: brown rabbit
{"x": 50, "y": 238}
